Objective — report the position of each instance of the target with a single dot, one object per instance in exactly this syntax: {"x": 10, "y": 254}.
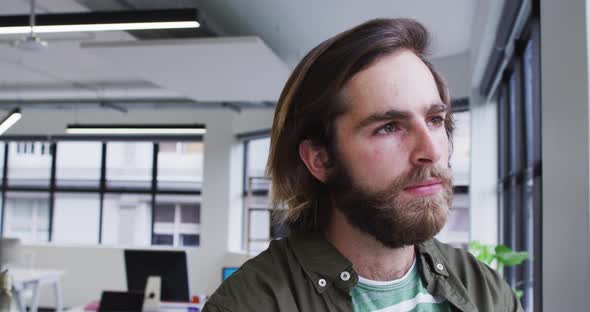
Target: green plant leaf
{"x": 513, "y": 258}
{"x": 502, "y": 249}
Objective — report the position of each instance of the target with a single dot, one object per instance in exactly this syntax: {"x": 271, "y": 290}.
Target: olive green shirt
{"x": 306, "y": 273}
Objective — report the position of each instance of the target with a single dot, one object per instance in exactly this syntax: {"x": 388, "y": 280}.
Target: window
{"x": 456, "y": 230}
{"x": 27, "y": 216}
{"x": 75, "y": 219}
{"x": 178, "y": 217}
{"x": 30, "y": 164}
{"x": 179, "y": 165}
{"x": 127, "y": 219}
{"x": 519, "y": 174}
{"x": 106, "y": 192}
{"x": 257, "y": 211}
{"x": 129, "y": 164}
{"x": 78, "y": 163}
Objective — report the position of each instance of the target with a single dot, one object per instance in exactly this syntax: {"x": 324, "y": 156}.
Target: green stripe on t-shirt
{"x": 405, "y": 294}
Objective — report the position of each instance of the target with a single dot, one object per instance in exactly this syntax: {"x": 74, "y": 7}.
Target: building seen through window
{"x": 93, "y": 192}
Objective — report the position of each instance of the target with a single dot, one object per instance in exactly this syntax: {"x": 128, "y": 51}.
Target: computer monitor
{"x": 227, "y": 271}
{"x": 170, "y": 266}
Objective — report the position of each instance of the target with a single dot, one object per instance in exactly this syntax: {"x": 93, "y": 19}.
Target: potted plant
{"x": 498, "y": 257}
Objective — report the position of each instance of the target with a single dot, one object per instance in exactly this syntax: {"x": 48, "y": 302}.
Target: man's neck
{"x": 370, "y": 258}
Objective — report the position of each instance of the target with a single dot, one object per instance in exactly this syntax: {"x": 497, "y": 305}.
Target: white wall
{"x": 91, "y": 269}
{"x": 566, "y": 157}
{"x": 455, "y": 70}
{"x": 483, "y": 187}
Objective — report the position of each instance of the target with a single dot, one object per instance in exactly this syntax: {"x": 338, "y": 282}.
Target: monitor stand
{"x": 151, "y": 301}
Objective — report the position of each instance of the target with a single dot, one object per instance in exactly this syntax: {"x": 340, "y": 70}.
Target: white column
{"x": 566, "y": 161}
{"x": 483, "y": 214}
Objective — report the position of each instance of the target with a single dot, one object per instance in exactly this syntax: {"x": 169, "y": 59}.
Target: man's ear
{"x": 316, "y": 160}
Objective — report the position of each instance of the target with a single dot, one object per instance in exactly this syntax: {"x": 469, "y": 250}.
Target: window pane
{"x": 160, "y": 239}
{"x": 258, "y": 246}
{"x": 456, "y": 230}
{"x": 190, "y": 213}
{"x": 76, "y": 218}
{"x": 78, "y": 163}
{"x": 129, "y": 164}
{"x": 127, "y": 219}
{"x": 184, "y": 221}
{"x": 27, "y": 216}
{"x": 190, "y": 240}
{"x": 259, "y": 224}
{"x": 257, "y": 156}
{"x": 180, "y": 165}
{"x": 461, "y": 148}
{"x": 29, "y": 163}
{"x": 165, "y": 212}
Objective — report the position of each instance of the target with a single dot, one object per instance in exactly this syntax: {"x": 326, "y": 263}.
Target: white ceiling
{"x": 209, "y": 69}
{"x": 292, "y": 28}
{"x": 219, "y": 69}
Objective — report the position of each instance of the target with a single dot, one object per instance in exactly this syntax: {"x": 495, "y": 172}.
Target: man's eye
{"x": 387, "y": 128}
{"x": 437, "y": 121}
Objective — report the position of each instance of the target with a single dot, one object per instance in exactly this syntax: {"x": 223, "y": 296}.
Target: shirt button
{"x": 440, "y": 267}
{"x": 322, "y": 282}
{"x": 345, "y": 276}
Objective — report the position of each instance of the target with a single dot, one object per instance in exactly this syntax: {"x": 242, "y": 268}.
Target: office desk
{"x": 27, "y": 279}
{"x": 165, "y": 307}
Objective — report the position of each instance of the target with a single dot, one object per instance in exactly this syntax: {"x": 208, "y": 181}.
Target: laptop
{"x": 120, "y": 301}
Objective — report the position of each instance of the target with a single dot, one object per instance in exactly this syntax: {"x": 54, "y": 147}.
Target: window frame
{"x": 519, "y": 162}
{"x": 102, "y": 189}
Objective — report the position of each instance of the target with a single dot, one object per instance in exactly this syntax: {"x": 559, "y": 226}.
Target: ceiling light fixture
{"x": 100, "y": 21}
{"x": 136, "y": 129}
{"x": 14, "y": 116}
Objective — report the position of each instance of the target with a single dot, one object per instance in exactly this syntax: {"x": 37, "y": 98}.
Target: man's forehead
{"x": 400, "y": 81}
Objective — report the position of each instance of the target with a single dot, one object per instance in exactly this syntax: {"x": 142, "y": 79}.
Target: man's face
{"x": 391, "y": 177}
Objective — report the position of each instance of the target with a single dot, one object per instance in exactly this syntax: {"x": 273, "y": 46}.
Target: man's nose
{"x": 426, "y": 150}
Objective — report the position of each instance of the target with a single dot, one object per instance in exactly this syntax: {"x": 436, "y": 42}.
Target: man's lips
{"x": 427, "y": 187}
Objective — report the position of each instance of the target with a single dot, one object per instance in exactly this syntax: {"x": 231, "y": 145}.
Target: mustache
{"x": 418, "y": 175}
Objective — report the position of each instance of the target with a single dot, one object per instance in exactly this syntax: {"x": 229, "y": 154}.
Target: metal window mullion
{"x": 53, "y": 150}
{"x": 153, "y": 188}
{"x": 245, "y": 201}
{"x": 4, "y": 181}
{"x": 101, "y": 190}
{"x": 537, "y": 203}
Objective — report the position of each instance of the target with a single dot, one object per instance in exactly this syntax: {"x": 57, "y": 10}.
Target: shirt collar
{"x": 431, "y": 256}
{"x": 321, "y": 260}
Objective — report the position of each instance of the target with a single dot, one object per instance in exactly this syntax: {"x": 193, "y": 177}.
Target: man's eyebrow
{"x": 391, "y": 114}
{"x": 438, "y": 108}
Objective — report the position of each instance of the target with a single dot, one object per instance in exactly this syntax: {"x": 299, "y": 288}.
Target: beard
{"x": 384, "y": 215}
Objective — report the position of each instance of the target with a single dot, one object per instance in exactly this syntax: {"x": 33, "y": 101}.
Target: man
{"x": 359, "y": 156}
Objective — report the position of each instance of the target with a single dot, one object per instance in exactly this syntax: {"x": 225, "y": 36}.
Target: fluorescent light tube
{"x": 134, "y": 129}
{"x": 98, "y": 27}
{"x": 100, "y": 21}
{"x": 12, "y": 118}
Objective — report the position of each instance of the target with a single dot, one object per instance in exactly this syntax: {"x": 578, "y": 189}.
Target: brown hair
{"x": 310, "y": 102}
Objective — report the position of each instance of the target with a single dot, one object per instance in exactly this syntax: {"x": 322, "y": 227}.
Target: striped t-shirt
{"x": 404, "y": 294}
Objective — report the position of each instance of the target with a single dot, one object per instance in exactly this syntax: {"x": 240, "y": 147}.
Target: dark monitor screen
{"x": 226, "y": 272}
{"x": 171, "y": 266}
{"x": 118, "y": 301}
